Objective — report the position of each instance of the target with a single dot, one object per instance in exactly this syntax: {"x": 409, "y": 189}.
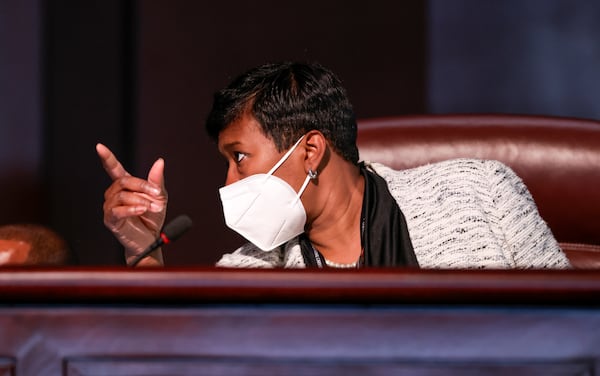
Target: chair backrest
{"x": 557, "y": 158}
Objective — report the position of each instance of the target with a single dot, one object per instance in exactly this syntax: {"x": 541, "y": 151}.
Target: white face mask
{"x": 264, "y": 208}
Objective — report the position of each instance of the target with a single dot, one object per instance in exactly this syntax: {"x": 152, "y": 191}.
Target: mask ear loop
{"x": 283, "y": 159}
{"x": 308, "y": 178}
{"x": 285, "y": 156}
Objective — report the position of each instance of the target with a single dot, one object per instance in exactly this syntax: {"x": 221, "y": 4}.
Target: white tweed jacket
{"x": 461, "y": 213}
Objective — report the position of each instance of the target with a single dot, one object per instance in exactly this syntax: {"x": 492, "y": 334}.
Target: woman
{"x": 296, "y": 190}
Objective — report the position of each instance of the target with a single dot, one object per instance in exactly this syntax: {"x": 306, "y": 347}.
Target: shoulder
{"x": 453, "y": 184}
{"x": 458, "y": 165}
{"x": 458, "y": 173}
{"x": 449, "y": 208}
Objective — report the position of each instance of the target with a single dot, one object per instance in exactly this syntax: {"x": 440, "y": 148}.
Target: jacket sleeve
{"x": 249, "y": 256}
{"x": 528, "y": 239}
{"x": 287, "y": 255}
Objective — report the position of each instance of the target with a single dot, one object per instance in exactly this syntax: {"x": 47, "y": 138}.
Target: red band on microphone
{"x": 164, "y": 238}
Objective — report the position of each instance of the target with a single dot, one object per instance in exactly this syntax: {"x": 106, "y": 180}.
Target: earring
{"x": 312, "y": 174}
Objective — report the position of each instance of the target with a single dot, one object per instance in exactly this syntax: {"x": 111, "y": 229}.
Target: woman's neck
{"x": 335, "y": 230}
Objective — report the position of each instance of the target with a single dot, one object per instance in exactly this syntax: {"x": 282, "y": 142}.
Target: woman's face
{"x": 248, "y": 151}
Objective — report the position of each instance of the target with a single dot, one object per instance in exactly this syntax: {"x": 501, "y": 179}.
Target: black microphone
{"x": 171, "y": 231}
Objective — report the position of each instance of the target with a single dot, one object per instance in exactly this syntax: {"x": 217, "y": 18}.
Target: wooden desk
{"x": 258, "y": 322}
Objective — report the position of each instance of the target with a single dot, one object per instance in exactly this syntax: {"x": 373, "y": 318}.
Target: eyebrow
{"x": 229, "y": 146}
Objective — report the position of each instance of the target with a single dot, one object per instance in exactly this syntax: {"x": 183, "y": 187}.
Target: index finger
{"x": 111, "y": 164}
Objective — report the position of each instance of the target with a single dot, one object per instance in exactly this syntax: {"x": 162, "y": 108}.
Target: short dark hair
{"x": 47, "y": 246}
{"x": 288, "y": 100}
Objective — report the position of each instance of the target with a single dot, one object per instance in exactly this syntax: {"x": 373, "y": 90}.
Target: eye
{"x": 238, "y": 156}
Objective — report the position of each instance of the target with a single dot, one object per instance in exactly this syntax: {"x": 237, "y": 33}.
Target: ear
{"x": 316, "y": 148}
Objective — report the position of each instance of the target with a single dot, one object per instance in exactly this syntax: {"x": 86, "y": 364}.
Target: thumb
{"x": 156, "y": 175}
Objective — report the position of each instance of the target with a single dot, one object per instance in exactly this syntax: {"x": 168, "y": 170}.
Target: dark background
{"x": 139, "y": 77}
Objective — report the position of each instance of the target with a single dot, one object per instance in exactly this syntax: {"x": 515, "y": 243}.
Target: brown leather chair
{"x": 557, "y": 158}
